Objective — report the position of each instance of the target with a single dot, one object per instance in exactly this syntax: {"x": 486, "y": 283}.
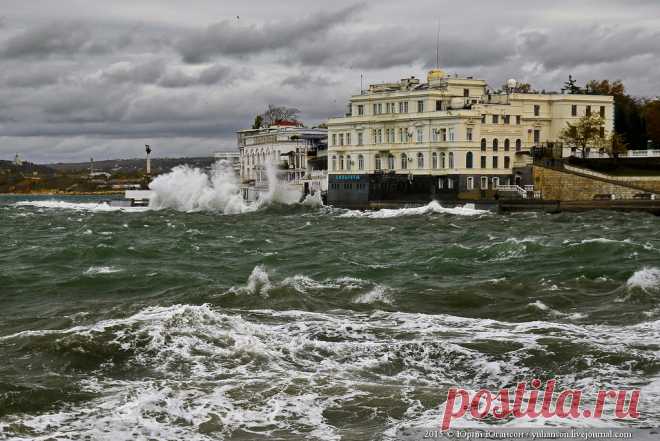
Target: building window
{"x": 518, "y": 145}
{"x": 360, "y": 109}
{"x": 588, "y": 111}
{"x": 334, "y": 163}
{"x": 451, "y": 159}
{"x": 348, "y": 139}
{"x": 341, "y": 139}
{"x": 390, "y": 162}
{"x": 574, "y": 110}
{"x": 434, "y": 159}
{"x": 537, "y": 110}
{"x": 443, "y": 135}
{"x": 387, "y": 108}
{"x": 450, "y": 182}
{"x": 380, "y": 136}
{"x": 334, "y": 139}
{"x": 360, "y": 162}
{"x": 484, "y": 183}
{"x": 468, "y": 160}
{"x": 420, "y": 134}
{"x": 375, "y": 109}
{"x": 438, "y": 105}
{"x": 468, "y": 134}
{"x": 496, "y": 119}
{"x": 507, "y": 119}
{"x": 602, "y": 111}
{"x": 401, "y": 135}
{"x": 518, "y": 119}
{"x": 360, "y": 140}
{"x": 441, "y": 182}
{"x": 466, "y": 93}
{"x": 495, "y": 160}
{"x": 443, "y": 163}
{"x": 537, "y": 137}
{"x": 434, "y": 135}
{"x": 341, "y": 162}
{"x": 507, "y": 162}
{"x": 483, "y": 162}
{"x": 420, "y": 106}
{"x": 483, "y": 144}
{"x": 495, "y": 144}
{"x": 348, "y": 162}
{"x": 602, "y": 132}
{"x": 404, "y": 161}
{"x": 496, "y": 183}
{"x": 377, "y": 160}
{"x": 507, "y": 145}
{"x": 420, "y": 160}
{"x": 403, "y": 107}
{"x": 483, "y": 119}
{"x": 470, "y": 183}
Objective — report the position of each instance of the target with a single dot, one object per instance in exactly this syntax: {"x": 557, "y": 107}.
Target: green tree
{"x": 258, "y": 122}
{"x": 652, "y": 122}
{"x": 584, "y": 134}
{"x": 616, "y": 145}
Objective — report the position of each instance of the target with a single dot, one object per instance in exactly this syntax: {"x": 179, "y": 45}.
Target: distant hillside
{"x": 124, "y": 166}
{"x": 9, "y": 168}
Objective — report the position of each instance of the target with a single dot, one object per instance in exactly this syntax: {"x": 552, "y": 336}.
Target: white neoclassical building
{"x": 446, "y": 138}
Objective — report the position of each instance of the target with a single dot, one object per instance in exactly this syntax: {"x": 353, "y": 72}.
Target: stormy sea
{"x": 205, "y": 317}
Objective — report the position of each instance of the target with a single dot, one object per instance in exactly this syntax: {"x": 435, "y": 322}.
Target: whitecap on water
{"x": 79, "y": 206}
{"x": 646, "y": 279}
{"x": 432, "y": 207}
{"x": 92, "y": 270}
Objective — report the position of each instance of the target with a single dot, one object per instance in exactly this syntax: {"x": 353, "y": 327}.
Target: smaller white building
{"x": 297, "y": 153}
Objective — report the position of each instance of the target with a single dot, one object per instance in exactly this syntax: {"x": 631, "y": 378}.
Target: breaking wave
{"x": 78, "y": 206}
{"x": 432, "y": 207}
{"x": 646, "y": 279}
{"x": 305, "y": 371}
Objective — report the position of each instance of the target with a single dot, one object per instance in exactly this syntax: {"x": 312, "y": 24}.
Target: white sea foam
{"x": 432, "y": 207}
{"x": 92, "y": 270}
{"x": 647, "y": 279}
{"x": 378, "y": 294}
{"x": 296, "y": 365}
{"x": 555, "y": 313}
{"x": 78, "y": 206}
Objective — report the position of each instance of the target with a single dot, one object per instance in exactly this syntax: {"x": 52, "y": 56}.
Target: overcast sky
{"x": 85, "y": 78}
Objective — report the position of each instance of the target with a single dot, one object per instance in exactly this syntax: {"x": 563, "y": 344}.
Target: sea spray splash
{"x": 192, "y": 189}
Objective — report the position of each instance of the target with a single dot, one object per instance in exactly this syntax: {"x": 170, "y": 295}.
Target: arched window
{"x": 495, "y": 144}
{"x": 420, "y": 160}
{"x": 378, "y": 165}
{"x": 518, "y": 145}
{"x": 451, "y": 159}
{"x": 348, "y": 162}
{"x": 390, "y": 162}
{"x": 404, "y": 161}
{"x": 341, "y": 162}
{"x": 507, "y": 145}
{"x": 360, "y": 162}
{"x": 434, "y": 159}
{"x": 334, "y": 163}
{"x": 483, "y": 144}
{"x": 468, "y": 160}
{"x": 443, "y": 162}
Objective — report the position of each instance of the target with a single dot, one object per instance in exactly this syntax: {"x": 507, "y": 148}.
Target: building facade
{"x": 447, "y": 138}
{"x": 297, "y": 154}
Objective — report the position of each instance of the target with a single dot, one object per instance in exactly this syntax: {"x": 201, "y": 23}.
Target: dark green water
{"x": 296, "y": 322}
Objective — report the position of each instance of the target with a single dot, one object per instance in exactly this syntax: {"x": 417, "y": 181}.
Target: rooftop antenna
{"x": 361, "y": 83}
{"x": 437, "y": 47}
{"x": 147, "y": 148}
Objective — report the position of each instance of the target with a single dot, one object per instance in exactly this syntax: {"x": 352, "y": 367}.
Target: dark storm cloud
{"x": 78, "y": 79}
{"x": 569, "y": 47}
{"x": 230, "y": 37}
{"x": 53, "y": 39}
